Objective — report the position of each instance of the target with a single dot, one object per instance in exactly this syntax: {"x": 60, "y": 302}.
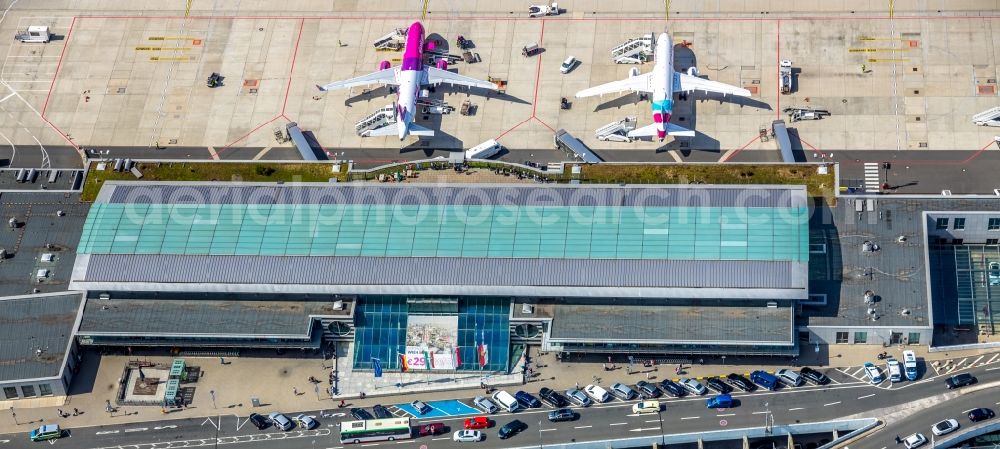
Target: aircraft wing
{"x": 641, "y": 83}
{"x": 387, "y": 76}
{"x": 437, "y": 76}
{"x": 689, "y": 83}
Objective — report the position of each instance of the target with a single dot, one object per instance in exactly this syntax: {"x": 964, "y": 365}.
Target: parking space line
{"x": 974, "y": 362}
{"x": 993, "y": 358}
{"x": 859, "y": 370}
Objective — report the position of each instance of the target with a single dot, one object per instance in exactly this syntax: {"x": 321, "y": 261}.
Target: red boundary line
{"x": 230, "y": 144}
{"x": 777, "y": 109}
{"x": 69, "y": 34}
{"x": 738, "y": 150}
{"x": 563, "y": 19}
{"x": 295, "y": 55}
{"x": 513, "y": 128}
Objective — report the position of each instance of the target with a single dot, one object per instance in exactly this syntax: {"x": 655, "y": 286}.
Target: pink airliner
{"x": 409, "y": 76}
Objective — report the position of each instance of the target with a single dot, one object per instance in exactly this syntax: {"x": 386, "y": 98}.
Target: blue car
{"x": 527, "y": 400}
{"x": 720, "y": 401}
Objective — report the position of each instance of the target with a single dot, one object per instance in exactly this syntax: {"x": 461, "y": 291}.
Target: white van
{"x": 506, "y": 401}
{"x": 597, "y": 393}
{"x": 910, "y": 365}
{"x": 893, "y": 367}
{"x": 484, "y": 150}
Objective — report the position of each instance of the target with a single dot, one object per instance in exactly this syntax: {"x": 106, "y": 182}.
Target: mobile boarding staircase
{"x": 634, "y": 51}
{"x": 378, "y": 119}
{"x": 989, "y": 117}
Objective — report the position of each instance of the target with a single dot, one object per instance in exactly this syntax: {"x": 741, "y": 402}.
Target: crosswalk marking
{"x": 872, "y": 181}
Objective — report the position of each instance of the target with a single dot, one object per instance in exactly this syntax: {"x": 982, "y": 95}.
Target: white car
{"x": 693, "y": 386}
{"x": 646, "y": 407}
{"x": 305, "y": 422}
{"x": 467, "y": 436}
{"x": 945, "y": 427}
{"x": 874, "y": 375}
{"x": 915, "y": 440}
{"x": 281, "y": 421}
{"x": 568, "y": 64}
{"x": 597, "y": 393}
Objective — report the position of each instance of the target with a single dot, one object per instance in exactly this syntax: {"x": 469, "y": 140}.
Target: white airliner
{"x": 662, "y": 82}
{"x": 409, "y": 77}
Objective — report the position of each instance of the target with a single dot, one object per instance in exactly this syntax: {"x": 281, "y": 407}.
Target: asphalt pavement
{"x": 846, "y": 395}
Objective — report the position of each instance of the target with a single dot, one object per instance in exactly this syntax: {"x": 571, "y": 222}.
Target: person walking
{"x": 76, "y": 412}
{"x": 61, "y": 415}
{"x": 295, "y": 391}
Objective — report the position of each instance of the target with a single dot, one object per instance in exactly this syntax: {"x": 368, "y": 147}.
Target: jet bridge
{"x": 378, "y": 119}
{"x": 567, "y": 142}
{"x": 300, "y": 142}
{"x": 784, "y": 142}
{"x": 634, "y": 51}
{"x": 989, "y": 117}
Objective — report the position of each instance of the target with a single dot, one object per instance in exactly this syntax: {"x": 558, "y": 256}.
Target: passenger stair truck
{"x": 785, "y": 72}
{"x": 634, "y": 51}
{"x": 543, "y": 10}
{"x": 35, "y": 34}
{"x": 378, "y": 119}
{"x": 393, "y": 41}
{"x": 616, "y": 131}
{"x": 988, "y": 118}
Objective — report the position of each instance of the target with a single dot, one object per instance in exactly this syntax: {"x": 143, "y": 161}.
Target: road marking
{"x": 727, "y": 414}
{"x": 866, "y": 396}
{"x": 832, "y": 403}
{"x": 974, "y": 362}
{"x": 618, "y": 424}
{"x": 165, "y": 427}
{"x": 796, "y": 408}
{"x": 369, "y": 444}
{"x": 691, "y": 417}
{"x": 643, "y": 429}
{"x": 993, "y": 358}
{"x": 994, "y": 368}
{"x": 583, "y": 427}
{"x": 439, "y": 439}
{"x": 140, "y": 429}
{"x": 855, "y": 373}
{"x": 403, "y": 442}
{"x": 543, "y": 430}
{"x": 652, "y": 420}
{"x": 760, "y": 413}
{"x": 106, "y": 432}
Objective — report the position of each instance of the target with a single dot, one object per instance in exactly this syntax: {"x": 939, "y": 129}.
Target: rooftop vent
{"x": 869, "y": 246}
{"x": 338, "y": 304}
{"x": 772, "y": 304}
{"x": 527, "y": 309}
{"x": 905, "y": 312}
{"x": 901, "y": 239}
{"x": 869, "y": 297}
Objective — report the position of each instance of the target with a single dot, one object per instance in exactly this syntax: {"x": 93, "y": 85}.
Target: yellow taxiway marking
{"x": 160, "y": 58}
{"x": 161, "y": 48}
{"x": 873, "y": 50}
{"x": 889, "y": 60}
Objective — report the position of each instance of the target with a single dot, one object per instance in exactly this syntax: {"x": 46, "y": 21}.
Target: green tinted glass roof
{"x": 508, "y": 231}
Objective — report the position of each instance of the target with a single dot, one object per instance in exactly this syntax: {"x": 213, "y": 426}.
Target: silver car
{"x": 485, "y": 404}
{"x": 693, "y": 386}
{"x": 281, "y": 421}
{"x": 579, "y": 397}
{"x": 305, "y": 422}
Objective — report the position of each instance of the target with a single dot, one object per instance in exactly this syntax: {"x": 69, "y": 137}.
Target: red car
{"x": 434, "y": 428}
{"x": 479, "y": 422}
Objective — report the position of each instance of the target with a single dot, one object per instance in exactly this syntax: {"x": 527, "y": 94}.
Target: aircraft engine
{"x": 384, "y": 65}
{"x": 693, "y": 71}
{"x": 441, "y": 64}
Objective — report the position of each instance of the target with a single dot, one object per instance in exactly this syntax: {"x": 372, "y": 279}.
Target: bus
{"x": 388, "y": 429}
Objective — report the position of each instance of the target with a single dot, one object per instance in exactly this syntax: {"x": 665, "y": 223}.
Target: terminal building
{"x": 434, "y": 277}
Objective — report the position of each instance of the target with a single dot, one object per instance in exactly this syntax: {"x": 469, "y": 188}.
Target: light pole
{"x": 212, "y": 392}
{"x": 768, "y": 420}
{"x": 539, "y": 434}
{"x": 663, "y": 438}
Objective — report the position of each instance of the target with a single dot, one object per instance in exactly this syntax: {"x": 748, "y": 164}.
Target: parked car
{"x": 431, "y": 429}
{"x": 512, "y": 428}
{"x": 874, "y": 375}
{"x": 960, "y": 380}
{"x": 646, "y": 407}
{"x": 281, "y": 421}
{"x": 623, "y": 392}
{"x": 361, "y": 414}
{"x": 945, "y": 427}
{"x": 647, "y": 390}
{"x": 672, "y": 389}
{"x": 568, "y": 65}
{"x": 562, "y": 414}
{"x": 741, "y": 382}
{"x": 597, "y": 393}
{"x": 259, "y": 421}
{"x": 789, "y": 377}
{"x": 980, "y": 414}
{"x": 420, "y": 407}
{"x": 467, "y": 436}
{"x": 720, "y": 401}
{"x": 46, "y": 432}
{"x": 718, "y": 385}
{"x": 485, "y": 405}
{"x": 814, "y": 376}
{"x": 527, "y": 400}
{"x": 381, "y": 412}
{"x": 478, "y": 422}
{"x": 578, "y": 397}
{"x": 305, "y": 422}
{"x": 765, "y": 379}
{"x": 552, "y": 398}
{"x": 693, "y": 386}
{"x": 915, "y": 440}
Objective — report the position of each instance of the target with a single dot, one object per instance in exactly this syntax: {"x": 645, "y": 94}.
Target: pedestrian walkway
{"x": 872, "y": 182}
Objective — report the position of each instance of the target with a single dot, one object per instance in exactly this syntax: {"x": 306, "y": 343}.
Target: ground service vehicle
{"x": 375, "y": 430}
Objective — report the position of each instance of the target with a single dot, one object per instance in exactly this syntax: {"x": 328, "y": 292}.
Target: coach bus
{"x": 375, "y": 430}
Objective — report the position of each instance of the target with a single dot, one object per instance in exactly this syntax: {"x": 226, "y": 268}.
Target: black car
{"x": 959, "y": 380}
{"x": 381, "y": 412}
{"x": 741, "y": 382}
{"x": 672, "y": 388}
{"x": 647, "y": 390}
{"x": 552, "y": 398}
{"x": 260, "y": 421}
{"x": 980, "y": 414}
{"x": 563, "y": 414}
{"x": 718, "y": 385}
{"x": 814, "y": 376}
{"x": 361, "y": 414}
{"x": 527, "y": 400}
{"x": 512, "y": 428}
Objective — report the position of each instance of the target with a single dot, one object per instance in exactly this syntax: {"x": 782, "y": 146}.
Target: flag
{"x": 483, "y": 355}
{"x": 402, "y": 363}
{"x": 428, "y": 360}
{"x": 458, "y": 356}
{"x": 377, "y": 366}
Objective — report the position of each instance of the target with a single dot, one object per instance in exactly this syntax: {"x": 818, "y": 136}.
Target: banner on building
{"x": 431, "y": 341}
